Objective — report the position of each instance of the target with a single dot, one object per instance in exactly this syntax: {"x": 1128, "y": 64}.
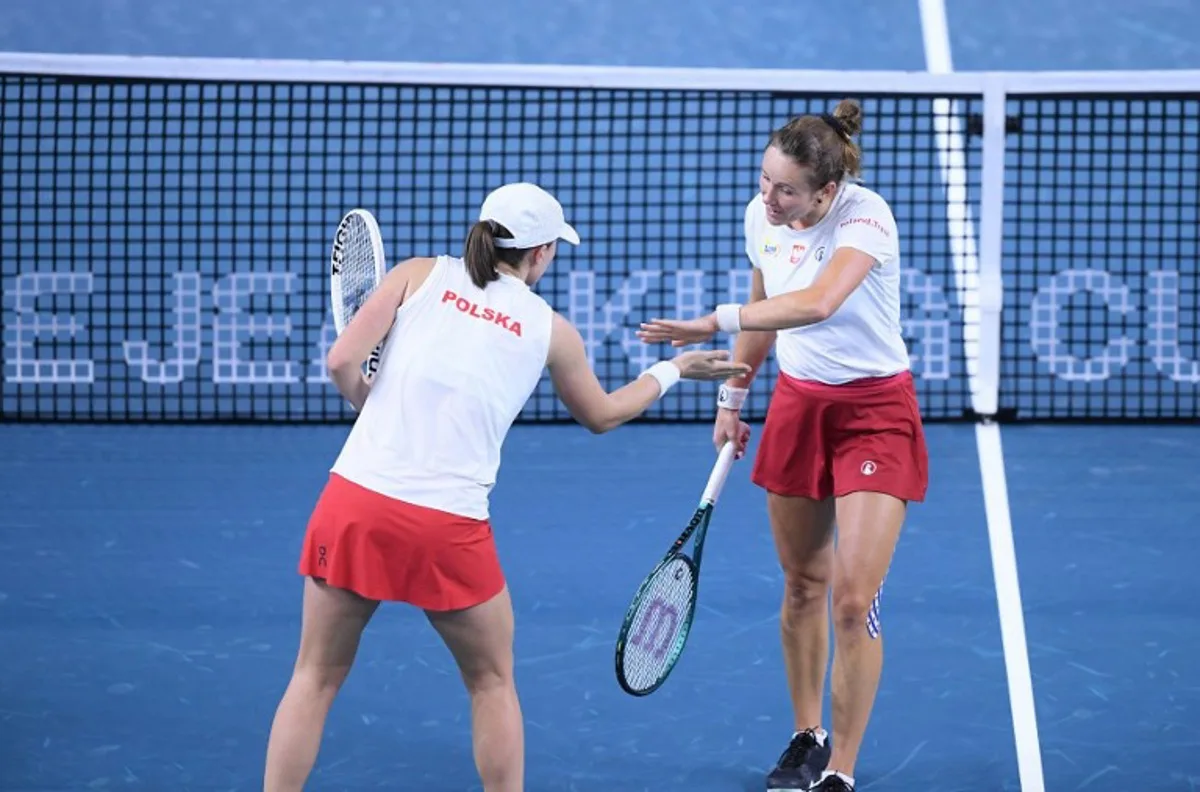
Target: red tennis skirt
{"x": 382, "y": 548}
{"x": 821, "y": 441}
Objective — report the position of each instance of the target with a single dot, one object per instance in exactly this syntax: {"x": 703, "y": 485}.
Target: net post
{"x": 986, "y": 395}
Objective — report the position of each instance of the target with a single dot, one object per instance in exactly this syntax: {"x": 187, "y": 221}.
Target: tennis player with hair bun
{"x": 842, "y": 443}
{"x": 404, "y": 514}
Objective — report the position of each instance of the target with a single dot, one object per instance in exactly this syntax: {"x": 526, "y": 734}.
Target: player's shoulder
{"x": 418, "y": 265}
{"x": 566, "y": 342}
{"x": 860, "y": 203}
{"x": 542, "y": 304}
{"x": 559, "y": 323}
{"x": 406, "y": 277}
{"x": 859, "y": 197}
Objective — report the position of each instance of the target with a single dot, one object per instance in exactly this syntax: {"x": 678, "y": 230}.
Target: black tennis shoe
{"x": 801, "y": 764}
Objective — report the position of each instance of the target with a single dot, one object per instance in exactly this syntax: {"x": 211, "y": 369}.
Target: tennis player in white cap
{"x": 404, "y": 514}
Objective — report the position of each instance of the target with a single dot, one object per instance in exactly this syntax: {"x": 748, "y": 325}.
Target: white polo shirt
{"x": 862, "y": 338}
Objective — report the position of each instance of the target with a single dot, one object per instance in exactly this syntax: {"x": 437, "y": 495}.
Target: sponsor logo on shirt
{"x": 482, "y": 313}
{"x": 769, "y": 247}
{"x": 869, "y": 221}
{"x": 798, "y": 252}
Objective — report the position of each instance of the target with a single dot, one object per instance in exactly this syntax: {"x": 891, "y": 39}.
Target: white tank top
{"x": 459, "y": 364}
{"x": 863, "y": 338}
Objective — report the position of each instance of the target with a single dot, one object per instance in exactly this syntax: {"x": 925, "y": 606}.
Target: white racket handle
{"x": 720, "y": 471}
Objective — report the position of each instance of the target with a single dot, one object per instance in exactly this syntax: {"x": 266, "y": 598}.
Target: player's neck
{"x": 812, "y": 218}
{"x": 816, "y": 215}
{"x": 508, "y": 269}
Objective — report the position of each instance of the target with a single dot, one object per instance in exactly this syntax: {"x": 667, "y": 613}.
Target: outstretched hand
{"x": 709, "y": 364}
{"x": 679, "y": 332}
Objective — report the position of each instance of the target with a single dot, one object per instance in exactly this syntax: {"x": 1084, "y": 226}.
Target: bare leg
{"x": 803, "y": 531}
{"x": 481, "y": 640}
{"x": 333, "y": 622}
{"x": 869, "y": 526}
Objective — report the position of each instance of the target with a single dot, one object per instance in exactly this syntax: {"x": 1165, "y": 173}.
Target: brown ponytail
{"x": 850, "y": 115}
{"x": 824, "y": 143}
{"x": 481, "y": 253}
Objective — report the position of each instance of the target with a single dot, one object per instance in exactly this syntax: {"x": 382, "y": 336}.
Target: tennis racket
{"x": 356, "y": 268}
{"x": 659, "y": 619}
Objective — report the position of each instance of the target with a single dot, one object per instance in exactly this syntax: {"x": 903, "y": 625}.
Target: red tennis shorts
{"x": 386, "y": 549}
{"x": 824, "y": 440}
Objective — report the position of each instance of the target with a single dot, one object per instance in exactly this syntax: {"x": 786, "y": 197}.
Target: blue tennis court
{"x": 149, "y": 606}
{"x": 150, "y": 616}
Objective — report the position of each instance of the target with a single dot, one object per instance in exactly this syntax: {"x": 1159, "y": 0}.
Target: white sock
{"x": 848, "y": 779}
{"x": 818, "y": 732}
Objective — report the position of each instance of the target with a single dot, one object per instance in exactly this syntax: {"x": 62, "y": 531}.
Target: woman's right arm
{"x": 601, "y": 411}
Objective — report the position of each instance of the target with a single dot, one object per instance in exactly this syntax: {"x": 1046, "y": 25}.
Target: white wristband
{"x": 731, "y": 398}
{"x": 729, "y": 318}
{"x": 667, "y": 374}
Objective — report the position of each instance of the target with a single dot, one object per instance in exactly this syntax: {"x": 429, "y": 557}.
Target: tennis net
{"x": 1101, "y": 266}
{"x": 164, "y": 225}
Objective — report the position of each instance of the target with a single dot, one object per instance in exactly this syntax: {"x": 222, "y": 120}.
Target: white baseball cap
{"x": 534, "y": 216}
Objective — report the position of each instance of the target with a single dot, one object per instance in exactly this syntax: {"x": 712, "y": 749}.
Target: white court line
{"x": 1008, "y": 595}
{"x": 960, "y": 225}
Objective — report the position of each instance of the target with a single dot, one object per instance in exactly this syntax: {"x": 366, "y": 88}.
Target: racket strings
{"x": 358, "y": 269}
{"x": 660, "y": 619}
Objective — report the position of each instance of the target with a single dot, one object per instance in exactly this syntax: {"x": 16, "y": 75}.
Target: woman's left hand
{"x": 680, "y": 332}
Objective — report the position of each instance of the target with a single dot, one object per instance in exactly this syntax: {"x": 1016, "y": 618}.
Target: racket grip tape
{"x": 716, "y": 479}
{"x": 373, "y": 361}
